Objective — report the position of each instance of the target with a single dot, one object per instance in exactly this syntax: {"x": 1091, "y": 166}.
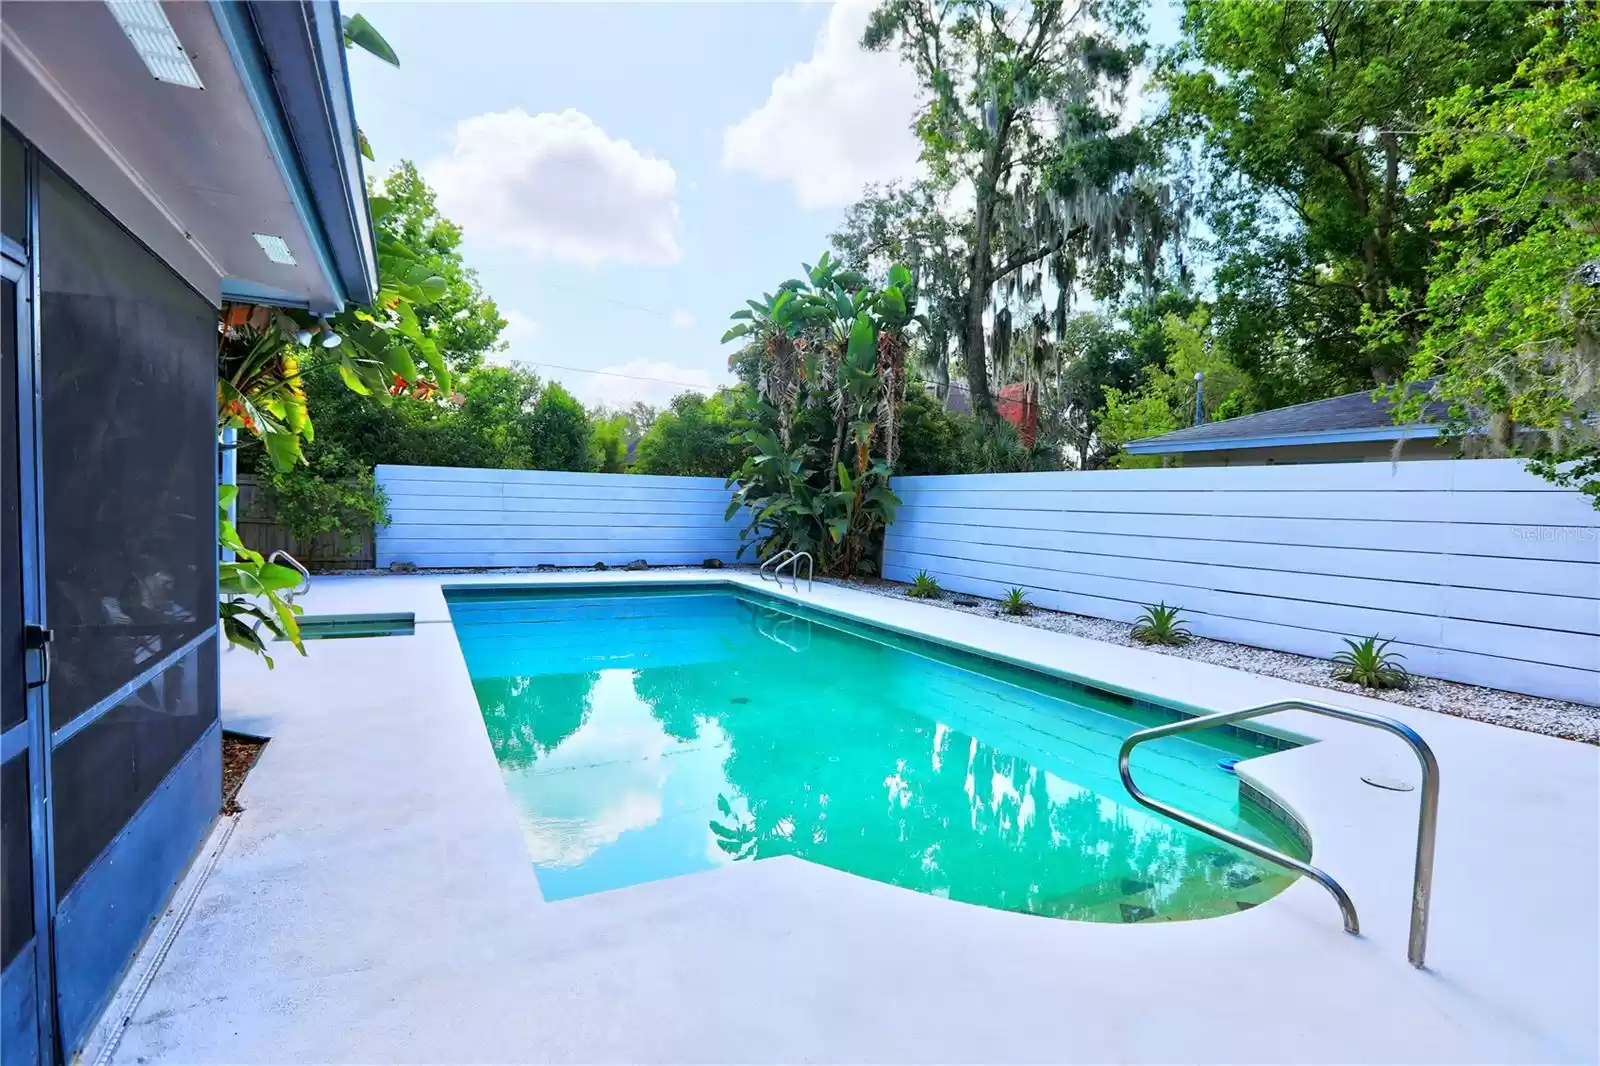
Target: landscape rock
{"x": 402, "y": 568}
{"x": 637, "y": 564}
{"x": 601, "y": 566}
{"x": 712, "y": 564}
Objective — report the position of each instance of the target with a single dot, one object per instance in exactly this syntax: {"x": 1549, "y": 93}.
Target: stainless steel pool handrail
{"x": 294, "y": 564}
{"x": 781, "y": 557}
{"x": 794, "y": 561}
{"x": 1427, "y": 816}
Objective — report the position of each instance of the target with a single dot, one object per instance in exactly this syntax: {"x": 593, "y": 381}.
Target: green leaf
{"x": 365, "y": 145}
{"x": 899, "y": 276}
{"x": 283, "y": 449}
{"x": 743, "y": 312}
{"x": 735, "y": 332}
{"x": 358, "y": 33}
{"x": 844, "y": 479}
{"x": 893, "y": 301}
{"x": 863, "y": 348}
{"x": 352, "y": 380}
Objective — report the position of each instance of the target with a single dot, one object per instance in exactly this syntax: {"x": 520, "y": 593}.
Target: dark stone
{"x": 965, "y": 603}
{"x": 1131, "y": 886}
{"x": 740, "y": 699}
{"x": 637, "y": 564}
{"x": 402, "y": 568}
{"x": 1133, "y": 913}
{"x": 712, "y": 564}
{"x": 601, "y": 566}
{"x": 545, "y": 566}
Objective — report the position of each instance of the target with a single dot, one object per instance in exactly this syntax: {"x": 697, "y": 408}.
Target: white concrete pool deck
{"x": 376, "y": 902}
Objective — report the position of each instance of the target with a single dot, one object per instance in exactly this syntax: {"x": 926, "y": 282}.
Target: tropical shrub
{"x": 1369, "y": 664}
{"x": 925, "y": 587}
{"x": 1160, "y": 624}
{"x": 1016, "y": 602}
{"x": 825, "y": 357}
{"x": 249, "y": 589}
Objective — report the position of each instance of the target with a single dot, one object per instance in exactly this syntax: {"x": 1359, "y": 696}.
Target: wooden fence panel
{"x": 1480, "y": 571}
{"x": 441, "y": 516}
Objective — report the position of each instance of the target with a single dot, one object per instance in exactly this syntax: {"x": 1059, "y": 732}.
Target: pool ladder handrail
{"x": 794, "y": 573}
{"x": 1427, "y": 816}
{"x": 288, "y": 597}
{"x": 761, "y": 571}
{"x": 789, "y": 557}
{"x": 294, "y": 564}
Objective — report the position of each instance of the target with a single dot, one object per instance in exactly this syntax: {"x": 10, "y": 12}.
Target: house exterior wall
{"x": 114, "y": 354}
{"x": 1376, "y": 451}
{"x": 1480, "y": 571}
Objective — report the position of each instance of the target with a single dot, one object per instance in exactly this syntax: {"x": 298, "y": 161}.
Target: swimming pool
{"x": 646, "y": 733}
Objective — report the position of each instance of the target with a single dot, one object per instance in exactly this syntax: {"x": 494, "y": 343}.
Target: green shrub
{"x": 1160, "y": 624}
{"x": 925, "y": 587}
{"x": 1369, "y": 664}
{"x": 1016, "y": 602}
{"x": 331, "y": 494}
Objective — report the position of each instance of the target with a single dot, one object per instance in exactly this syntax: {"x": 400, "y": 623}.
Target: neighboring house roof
{"x": 1356, "y": 416}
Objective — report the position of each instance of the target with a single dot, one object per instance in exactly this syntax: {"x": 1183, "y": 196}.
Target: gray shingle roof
{"x": 1353, "y": 411}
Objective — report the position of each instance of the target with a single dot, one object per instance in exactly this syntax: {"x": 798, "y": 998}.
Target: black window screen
{"x": 13, "y": 708}
{"x": 13, "y": 188}
{"x": 102, "y": 775}
{"x": 128, "y": 415}
{"x": 16, "y": 879}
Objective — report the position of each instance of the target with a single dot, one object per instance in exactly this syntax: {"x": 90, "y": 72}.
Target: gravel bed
{"x": 1556, "y": 718}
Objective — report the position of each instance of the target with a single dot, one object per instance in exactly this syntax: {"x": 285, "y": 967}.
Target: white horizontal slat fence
{"x": 1481, "y": 571}
{"x": 447, "y": 516}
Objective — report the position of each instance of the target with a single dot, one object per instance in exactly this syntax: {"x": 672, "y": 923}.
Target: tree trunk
{"x": 973, "y": 347}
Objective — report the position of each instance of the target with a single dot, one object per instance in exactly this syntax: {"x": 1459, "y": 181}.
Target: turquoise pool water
{"x": 649, "y": 734}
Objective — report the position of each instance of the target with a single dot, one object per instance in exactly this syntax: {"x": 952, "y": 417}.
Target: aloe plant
{"x": 925, "y": 586}
{"x": 1016, "y": 602}
{"x": 1160, "y": 624}
{"x": 1370, "y": 664}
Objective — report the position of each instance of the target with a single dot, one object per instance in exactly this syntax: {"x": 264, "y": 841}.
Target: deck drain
{"x": 1393, "y": 784}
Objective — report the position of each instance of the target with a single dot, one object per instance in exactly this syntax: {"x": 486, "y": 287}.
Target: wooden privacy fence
{"x": 259, "y": 529}
{"x": 1481, "y": 571}
{"x": 444, "y": 516}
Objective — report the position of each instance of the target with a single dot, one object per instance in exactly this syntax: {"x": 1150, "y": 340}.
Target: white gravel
{"x": 1556, "y": 718}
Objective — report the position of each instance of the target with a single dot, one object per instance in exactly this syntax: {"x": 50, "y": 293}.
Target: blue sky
{"x": 626, "y": 174}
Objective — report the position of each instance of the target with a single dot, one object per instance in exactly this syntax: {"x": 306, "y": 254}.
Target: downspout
{"x": 228, "y": 447}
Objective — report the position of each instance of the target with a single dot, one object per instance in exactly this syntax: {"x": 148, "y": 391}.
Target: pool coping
{"x": 786, "y": 956}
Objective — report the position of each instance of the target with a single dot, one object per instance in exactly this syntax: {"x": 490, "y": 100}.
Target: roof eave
{"x": 1160, "y": 446}
{"x": 291, "y": 59}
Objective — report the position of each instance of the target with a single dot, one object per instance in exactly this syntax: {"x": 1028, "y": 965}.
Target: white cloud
{"x": 681, "y": 319}
{"x": 558, "y": 187}
{"x": 834, "y": 123}
{"x": 519, "y": 327}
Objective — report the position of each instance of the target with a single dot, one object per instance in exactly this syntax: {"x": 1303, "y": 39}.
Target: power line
{"x": 617, "y": 374}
